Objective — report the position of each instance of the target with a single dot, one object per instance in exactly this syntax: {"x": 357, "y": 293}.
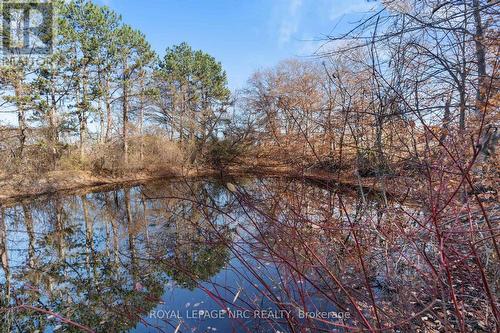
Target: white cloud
{"x": 341, "y": 8}
{"x": 291, "y": 13}
{"x": 290, "y": 21}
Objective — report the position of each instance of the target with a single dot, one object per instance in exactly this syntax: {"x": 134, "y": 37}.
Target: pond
{"x": 245, "y": 255}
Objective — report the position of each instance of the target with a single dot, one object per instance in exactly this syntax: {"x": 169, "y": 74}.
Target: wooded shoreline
{"x": 71, "y": 182}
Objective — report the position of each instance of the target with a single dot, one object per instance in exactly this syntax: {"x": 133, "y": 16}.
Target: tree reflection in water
{"x": 106, "y": 261}
{"x": 102, "y": 260}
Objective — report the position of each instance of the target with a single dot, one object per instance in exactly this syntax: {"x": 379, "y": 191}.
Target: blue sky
{"x": 244, "y": 35}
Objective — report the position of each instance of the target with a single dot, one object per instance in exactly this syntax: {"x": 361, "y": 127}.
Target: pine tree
{"x": 195, "y": 96}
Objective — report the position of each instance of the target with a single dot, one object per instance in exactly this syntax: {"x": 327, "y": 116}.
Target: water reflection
{"x": 250, "y": 255}
{"x": 102, "y": 260}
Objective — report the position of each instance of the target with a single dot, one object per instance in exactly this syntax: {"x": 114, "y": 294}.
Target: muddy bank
{"x": 20, "y": 187}
{"x": 17, "y": 187}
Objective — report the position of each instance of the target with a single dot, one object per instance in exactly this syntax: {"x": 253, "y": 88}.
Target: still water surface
{"x": 179, "y": 256}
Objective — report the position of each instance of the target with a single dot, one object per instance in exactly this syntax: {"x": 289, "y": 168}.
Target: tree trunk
{"x": 53, "y": 132}
{"x": 60, "y": 224}
{"x": 82, "y": 135}
{"x": 89, "y": 233}
{"x": 82, "y": 116}
{"x": 446, "y": 120}
{"x": 4, "y": 258}
{"x": 21, "y": 116}
{"x": 480, "y": 55}
{"x": 109, "y": 118}
{"x": 28, "y": 221}
{"x": 125, "y": 113}
{"x": 131, "y": 238}
{"x": 462, "y": 111}
{"x": 141, "y": 119}
{"x": 101, "y": 123}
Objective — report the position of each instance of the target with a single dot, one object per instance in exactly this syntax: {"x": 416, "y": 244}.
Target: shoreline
{"x": 70, "y": 182}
